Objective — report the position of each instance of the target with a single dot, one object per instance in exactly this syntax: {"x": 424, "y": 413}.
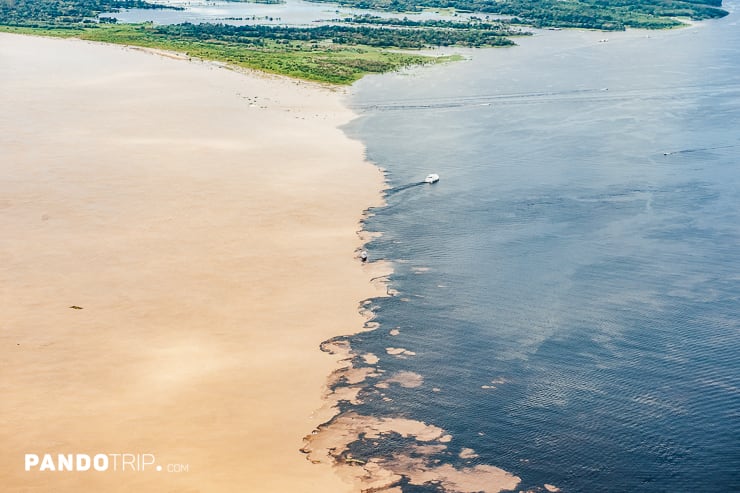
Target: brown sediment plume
{"x": 399, "y": 351}
{"x": 204, "y": 219}
{"x": 370, "y": 358}
{"x": 407, "y": 379}
{"x": 467, "y": 453}
{"x": 477, "y": 479}
{"x": 417, "y": 446}
{"x": 413, "y": 460}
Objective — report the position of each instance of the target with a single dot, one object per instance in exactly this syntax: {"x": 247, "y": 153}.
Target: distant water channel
{"x": 290, "y": 12}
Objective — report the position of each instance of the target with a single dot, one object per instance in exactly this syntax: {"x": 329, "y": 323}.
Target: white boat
{"x": 432, "y": 178}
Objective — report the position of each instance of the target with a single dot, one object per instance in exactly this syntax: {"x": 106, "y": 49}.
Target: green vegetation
{"x": 344, "y": 35}
{"x": 336, "y": 65}
{"x": 40, "y": 12}
{"x": 55, "y": 32}
{"x": 473, "y": 23}
{"x": 345, "y": 51}
{"x": 337, "y": 54}
{"x": 592, "y": 14}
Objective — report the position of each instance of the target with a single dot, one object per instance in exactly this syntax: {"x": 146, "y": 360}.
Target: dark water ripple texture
{"x": 580, "y": 257}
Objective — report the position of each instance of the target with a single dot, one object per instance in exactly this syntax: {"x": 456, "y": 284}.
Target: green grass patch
{"x": 316, "y": 62}
{"x": 320, "y": 62}
{"x": 55, "y": 32}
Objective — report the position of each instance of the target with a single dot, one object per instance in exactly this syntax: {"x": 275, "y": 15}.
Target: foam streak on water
{"x": 569, "y": 292}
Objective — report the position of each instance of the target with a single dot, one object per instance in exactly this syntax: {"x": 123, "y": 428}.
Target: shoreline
{"x": 204, "y": 221}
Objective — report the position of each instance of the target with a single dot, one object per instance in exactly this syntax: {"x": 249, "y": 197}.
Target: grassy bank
{"x": 316, "y": 62}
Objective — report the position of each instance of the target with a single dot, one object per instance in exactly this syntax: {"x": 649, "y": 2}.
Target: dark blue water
{"x": 580, "y": 256}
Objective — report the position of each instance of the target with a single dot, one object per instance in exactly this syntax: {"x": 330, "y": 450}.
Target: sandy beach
{"x": 177, "y": 241}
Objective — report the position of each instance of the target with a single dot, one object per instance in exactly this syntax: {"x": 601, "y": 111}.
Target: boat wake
{"x": 401, "y": 188}
{"x": 698, "y": 149}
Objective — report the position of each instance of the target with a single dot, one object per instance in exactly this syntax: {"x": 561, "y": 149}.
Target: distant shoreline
{"x": 341, "y": 51}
